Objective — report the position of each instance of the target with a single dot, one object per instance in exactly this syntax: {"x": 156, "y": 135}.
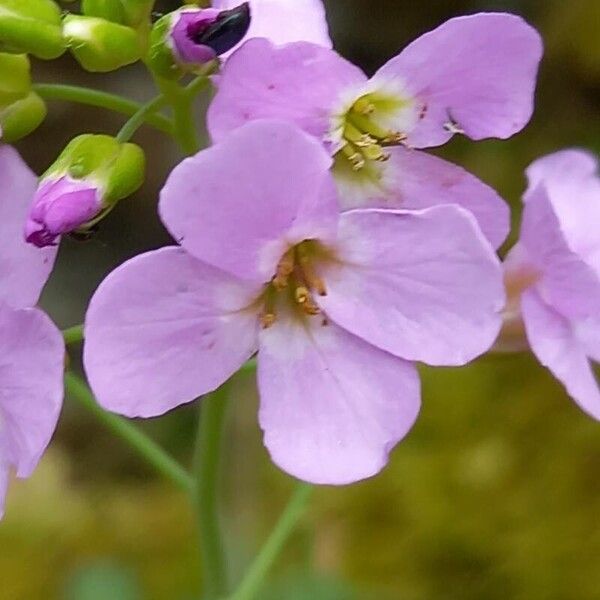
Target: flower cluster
{"x": 314, "y": 235}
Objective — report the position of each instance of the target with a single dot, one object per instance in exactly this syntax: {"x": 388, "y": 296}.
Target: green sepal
{"x": 15, "y": 78}
{"x": 160, "y": 56}
{"x": 116, "y": 169}
{"x": 99, "y": 45}
{"x": 31, "y": 26}
{"x": 20, "y": 118}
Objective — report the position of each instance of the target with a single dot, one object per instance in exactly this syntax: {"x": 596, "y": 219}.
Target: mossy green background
{"x": 495, "y": 494}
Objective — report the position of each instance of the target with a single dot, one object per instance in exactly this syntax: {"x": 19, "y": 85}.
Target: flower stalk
{"x": 205, "y": 489}
{"x": 145, "y": 447}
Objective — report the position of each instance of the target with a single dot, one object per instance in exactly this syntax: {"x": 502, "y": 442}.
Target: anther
{"x": 267, "y": 320}
{"x": 284, "y": 269}
{"x": 356, "y": 158}
{"x": 394, "y": 138}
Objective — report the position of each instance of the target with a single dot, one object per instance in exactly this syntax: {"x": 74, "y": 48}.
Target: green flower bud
{"x": 31, "y": 26}
{"x": 132, "y": 13}
{"x": 111, "y": 10}
{"x": 99, "y": 45}
{"x": 15, "y": 80}
{"x": 116, "y": 169}
{"x": 20, "y": 118}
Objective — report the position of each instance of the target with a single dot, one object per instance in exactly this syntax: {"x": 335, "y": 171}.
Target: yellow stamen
{"x": 284, "y": 269}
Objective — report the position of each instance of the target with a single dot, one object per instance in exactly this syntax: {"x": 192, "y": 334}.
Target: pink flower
{"x": 337, "y": 306}
{"x": 32, "y": 350}
{"x": 60, "y": 205}
{"x": 553, "y": 273}
{"x": 473, "y": 75}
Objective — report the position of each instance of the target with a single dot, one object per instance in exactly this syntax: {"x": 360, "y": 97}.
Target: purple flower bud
{"x": 200, "y": 35}
{"x": 60, "y": 206}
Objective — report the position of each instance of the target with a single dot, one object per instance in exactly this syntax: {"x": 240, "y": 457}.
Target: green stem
{"x": 184, "y": 128}
{"x": 136, "y": 121}
{"x": 254, "y": 579}
{"x": 207, "y": 459}
{"x": 91, "y": 97}
{"x": 73, "y": 335}
{"x": 140, "y": 442}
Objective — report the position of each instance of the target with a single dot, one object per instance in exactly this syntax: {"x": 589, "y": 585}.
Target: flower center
{"x": 296, "y": 281}
{"x": 370, "y": 125}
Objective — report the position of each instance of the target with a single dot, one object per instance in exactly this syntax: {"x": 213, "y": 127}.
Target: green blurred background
{"x": 495, "y": 494}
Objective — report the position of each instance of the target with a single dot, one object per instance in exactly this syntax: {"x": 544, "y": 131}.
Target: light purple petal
{"x": 332, "y": 406}
{"x": 571, "y": 180}
{"x": 284, "y": 21}
{"x": 478, "y": 72}
{"x": 31, "y": 385}
{"x": 241, "y": 203}
{"x": 588, "y": 333}
{"x": 418, "y": 180}
{"x": 299, "y": 82}
{"x": 567, "y": 282}
{"x": 423, "y": 285}
{"x": 553, "y": 341}
{"x": 24, "y": 269}
{"x": 163, "y": 329}
{"x": 4, "y": 475}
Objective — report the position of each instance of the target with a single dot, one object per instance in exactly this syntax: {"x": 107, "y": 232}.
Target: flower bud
{"x": 31, "y": 26}
{"x": 99, "y": 45}
{"x": 187, "y": 39}
{"x": 15, "y": 81}
{"x": 87, "y": 180}
{"x": 20, "y": 118}
{"x": 125, "y": 12}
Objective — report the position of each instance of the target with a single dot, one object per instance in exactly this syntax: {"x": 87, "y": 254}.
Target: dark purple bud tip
{"x": 60, "y": 206}
{"x": 227, "y": 31}
{"x": 201, "y": 35}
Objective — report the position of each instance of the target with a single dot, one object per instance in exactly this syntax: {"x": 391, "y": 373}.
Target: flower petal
{"x": 572, "y": 184}
{"x": 163, "y": 329}
{"x": 299, "y": 83}
{"x": 423, "y": 285}
{"x": 241, "y": 203}
{"x": 284, "y": 21}
{"x": 418, "y": 180}
{"x": 332, "y": 406}
{"x": 24, "y": 269}
{"x": 567, "y": 282}
{"x": 475, "y": 73}
{"x": 553, "y": 341}
{"x": 31, "y": 385}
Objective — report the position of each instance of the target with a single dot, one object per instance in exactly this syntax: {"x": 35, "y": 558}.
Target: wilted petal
{"x": 553, "y": 341}
{"x": 241, "y": 203}
{"x": 572, "y": 184}
{"x": 163, "y": 329}
{"x": 418, "y": 180}
{"x": 31, "y": 388}
{"x": 568, "y": 283}
{"x": 299, "y": 82}
{"x": 423, "y": 285}
{"x": 24, "y": 269}
{"x": 284, "y": 21}
{"x": 332, "y": 406}
{"x": 475, "y": 73}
